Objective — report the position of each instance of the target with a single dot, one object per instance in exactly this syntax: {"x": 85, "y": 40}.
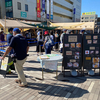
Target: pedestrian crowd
{"x": 44, "y": 40}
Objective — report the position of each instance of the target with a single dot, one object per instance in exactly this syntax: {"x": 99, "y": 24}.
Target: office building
{"x": 43, "y": 10}
{"x": 89, "y": 17}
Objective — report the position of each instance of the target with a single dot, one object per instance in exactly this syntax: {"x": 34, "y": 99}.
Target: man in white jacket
{"x": 61, "y": 38}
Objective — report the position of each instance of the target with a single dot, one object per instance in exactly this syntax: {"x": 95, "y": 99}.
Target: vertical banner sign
{"x": 43, "y": 5}
{"x": 9, "y": 8}
{"x": 52, "y": 9}
{"x": 38, "y": 9}
{"x": 47, "y": 9}
{"x": 43, "y": 9}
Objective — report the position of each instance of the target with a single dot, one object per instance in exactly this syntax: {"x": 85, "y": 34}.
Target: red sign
{"x": 38, "y": 9}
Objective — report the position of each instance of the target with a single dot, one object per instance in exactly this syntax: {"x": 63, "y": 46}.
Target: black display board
{"x": 72, "y": 51}
{"x": 91, "y": 51}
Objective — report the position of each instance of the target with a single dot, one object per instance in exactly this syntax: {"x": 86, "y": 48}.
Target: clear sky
{"x": 91, "y": 5}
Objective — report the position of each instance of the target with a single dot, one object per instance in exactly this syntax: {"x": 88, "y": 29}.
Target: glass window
{"x": 91, "y": 17}
{"x": 86, "y": 17}
{"x": 9, "y": 14}
{"x": 91, "y": 20}
{"x": 19, "y": 5}
{"x": 26, "y": 7}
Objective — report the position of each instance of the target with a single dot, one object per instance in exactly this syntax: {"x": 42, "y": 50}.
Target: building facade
{"x": 43, "y": 10}
{"x": 77, "y": 8}
{"x": 89, "y": 17}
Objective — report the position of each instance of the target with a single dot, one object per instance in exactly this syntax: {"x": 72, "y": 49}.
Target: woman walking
{"x": 56, "y": 41}
{"x": 45, "y": 45}
{"x": 40, "y": 39}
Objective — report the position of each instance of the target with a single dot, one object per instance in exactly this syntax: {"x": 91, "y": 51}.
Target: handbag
{"x": 61, "y": 45}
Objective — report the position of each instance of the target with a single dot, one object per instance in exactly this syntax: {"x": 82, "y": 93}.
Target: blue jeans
{"x": 48, "y": 50}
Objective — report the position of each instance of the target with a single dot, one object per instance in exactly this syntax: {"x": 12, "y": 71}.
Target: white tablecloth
{"x": 51, "y": 63}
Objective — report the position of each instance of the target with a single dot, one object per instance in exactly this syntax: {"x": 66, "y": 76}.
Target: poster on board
{"x": 4, "y": 64}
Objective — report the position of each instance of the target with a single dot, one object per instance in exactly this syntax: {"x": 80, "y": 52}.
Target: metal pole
{"x": 57, "y": 72}
{"x": 39, "y": 48}
{"x": 5, "y": 25}
{"x": 42, "y": 74}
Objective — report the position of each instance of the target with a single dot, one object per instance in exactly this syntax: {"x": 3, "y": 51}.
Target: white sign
{"x": 4, "y": 64}
{"x": 47, "y": 9}
{"x": 52, "y": 9}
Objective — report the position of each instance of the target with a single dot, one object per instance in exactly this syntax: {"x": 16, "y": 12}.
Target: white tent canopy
{"x": 13, "y": 23}
{"x": 75, "y": 25}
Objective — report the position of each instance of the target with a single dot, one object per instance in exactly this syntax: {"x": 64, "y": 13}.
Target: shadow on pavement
{"x": 59, "y": 91}
{"x": 77, "y": 79}
{"x": 39, "y": 69}
{"x": 33, "y": 61}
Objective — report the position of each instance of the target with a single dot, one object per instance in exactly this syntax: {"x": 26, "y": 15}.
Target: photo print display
{"x": 95, "y": 42}
{"x": 95, "y": 60}
{"x": 72, "y": 45}
{"x": 95, "y": 37}
{"x": 96, "y": 65}
{"x": 87, "y": 52}
{"x": 76, "y": 64}
{"x": 89, "y": 41}
{"x": 69, "y": 64}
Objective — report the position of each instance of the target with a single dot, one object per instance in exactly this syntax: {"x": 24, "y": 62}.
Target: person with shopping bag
{"x": 61, "y": 40}
{"x": 48, "y": 43}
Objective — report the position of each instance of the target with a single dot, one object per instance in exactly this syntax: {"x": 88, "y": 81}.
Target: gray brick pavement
{"x": 78, "y": 88}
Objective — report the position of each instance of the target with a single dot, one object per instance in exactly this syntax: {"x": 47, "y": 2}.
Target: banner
{"x": 38, "y": 9}
{"x": 43, "y": 5}
{"x": 52, "y": 9}
{"x": 47, "y": 9}
{"x": 43, "y": 9}
{"x": 8, "y": 3}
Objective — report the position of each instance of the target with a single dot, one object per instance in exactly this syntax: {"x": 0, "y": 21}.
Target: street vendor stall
{"x": 13, "y": 23}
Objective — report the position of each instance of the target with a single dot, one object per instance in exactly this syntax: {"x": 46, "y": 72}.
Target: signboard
{"x": 72, "y": 39}
{"x": 43, "y": 5}
{"x": 23, "y": 14}
{"x": 74, "y": 11}
{"x": 9, "y": 8}
{"x": 52, "y": 9}
{"x": 43, "y": 9}
{"x": 47, "y": 9}
{"x": 38, "y": 9}
{"x": 91, "y": 51}
{"x": 8, "y": 4}
{"x": 72, "y": 51}
{"x": 89, "y": 13}
{"x": 4, "y": 66}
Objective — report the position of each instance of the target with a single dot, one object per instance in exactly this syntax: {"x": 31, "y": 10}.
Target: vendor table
{"x": 50, "y": 63}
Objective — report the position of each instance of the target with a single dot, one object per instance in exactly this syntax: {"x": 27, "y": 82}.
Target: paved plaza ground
{"x": 77, "y": 88}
